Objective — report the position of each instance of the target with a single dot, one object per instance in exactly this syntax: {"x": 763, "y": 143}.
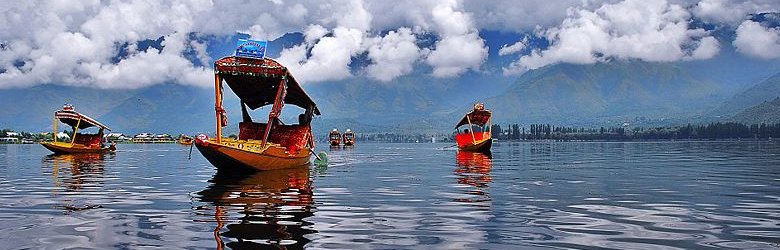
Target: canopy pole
{"x": 276, "y": 110}
{"x": 473, "y": 140}
{"x": 490, "y": 129}
{"x": 218, "y": 106}
{"x": 55, "y": 128}
{"x": 75, "y": 130}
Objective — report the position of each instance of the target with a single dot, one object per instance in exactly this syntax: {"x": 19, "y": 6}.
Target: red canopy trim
{"x": 250, "y": 67}
{"x": 478, "y": 116}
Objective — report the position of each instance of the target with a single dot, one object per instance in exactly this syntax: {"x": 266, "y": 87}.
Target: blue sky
{"x": 106, "y": 44}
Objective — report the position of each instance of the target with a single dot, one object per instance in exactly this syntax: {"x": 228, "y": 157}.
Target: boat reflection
{"x": 76, "y": 171}
{"x": 263, "y": 210}
{"x": 474, "y": 170}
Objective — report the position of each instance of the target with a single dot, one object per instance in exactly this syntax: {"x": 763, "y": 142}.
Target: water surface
{"x": 647, "y": 195}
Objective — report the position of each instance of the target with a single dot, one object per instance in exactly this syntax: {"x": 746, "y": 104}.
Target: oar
{"x": 450, "y": 146}
{"x": 321, "y": 159}
{"x": 190, "y": 156}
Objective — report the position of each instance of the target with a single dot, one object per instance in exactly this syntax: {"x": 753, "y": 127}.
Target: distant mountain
{"x": 767, "y": 112}
{"x": 765, "y": 90}
{"x": 604, "y": 93}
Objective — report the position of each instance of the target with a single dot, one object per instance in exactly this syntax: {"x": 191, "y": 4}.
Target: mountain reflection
{"x": 265, "y": 209}
{"x": 474, "y": 170}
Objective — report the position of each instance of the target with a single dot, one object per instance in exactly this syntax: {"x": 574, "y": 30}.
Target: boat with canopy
{"x": 259, "y": 82}
{"x": 79, "y": 143}
{"x": 334, "y": 138}
{"x": 476, "y": 134}
{"x": 349, "y": 137}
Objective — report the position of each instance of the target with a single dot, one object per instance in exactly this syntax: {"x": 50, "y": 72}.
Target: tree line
{"x": 715, "y": 130}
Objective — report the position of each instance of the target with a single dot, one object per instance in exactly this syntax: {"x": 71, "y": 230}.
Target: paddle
{"x": 321, "y": 159}
{"x": 450, "y": 146}
{"x": 190, "y": 156}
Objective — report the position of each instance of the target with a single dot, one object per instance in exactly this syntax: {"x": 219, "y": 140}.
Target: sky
{"x": 106, "y": 44}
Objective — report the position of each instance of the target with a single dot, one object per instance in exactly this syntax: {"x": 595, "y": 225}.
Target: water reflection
{"x": 76, "y": 174}
{"x": 76, "y": 171}
{"x": 263, "y": 210}
{"x": 473, "y": 169}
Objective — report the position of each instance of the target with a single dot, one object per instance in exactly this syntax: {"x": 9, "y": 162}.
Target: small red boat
{"x": 260, "y": 146}
{"x": 476, "y": 136}
{"x": 349, "y": 137}
{"x": 334, "y": 138}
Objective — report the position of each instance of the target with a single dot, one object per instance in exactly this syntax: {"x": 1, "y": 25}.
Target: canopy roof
{"x": 71, "y": 118}
{"x": 477, "y": 116}
{"x": 255, "y": 82}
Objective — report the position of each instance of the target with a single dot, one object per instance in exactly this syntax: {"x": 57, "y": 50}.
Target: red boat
{"x": 349, "y": 138}
{"x": 477, "y": 135}
{"x": 334, "y": 138}
{"x": 260, "y": 146}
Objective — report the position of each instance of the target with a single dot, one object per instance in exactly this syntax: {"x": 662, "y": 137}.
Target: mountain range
{"x": 602, "y": 94}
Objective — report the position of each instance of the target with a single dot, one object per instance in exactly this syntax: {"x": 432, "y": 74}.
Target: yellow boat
{"x": 185, "y": 140}
{"x": 260, "y": 146}
{"x": 79, "y": 143}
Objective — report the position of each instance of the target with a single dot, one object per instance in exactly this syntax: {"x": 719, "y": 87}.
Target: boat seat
{"x": 88, "y": 140}
{"x": 292, "y": 137}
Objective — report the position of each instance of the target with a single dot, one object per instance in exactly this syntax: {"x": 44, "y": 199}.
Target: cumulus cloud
{"x": 756, "y": 40}
{"x": 633, "y": 29}
{"x": 507, "y": 49}
{"x": 100, "y": 43}
{"x": 732, "y": 11}
{"x": 393, "y": 55}
{"x": 460, "y": 47}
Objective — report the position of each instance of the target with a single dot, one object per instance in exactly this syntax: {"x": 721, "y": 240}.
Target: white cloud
{"x": 756, "y": 40}
{"x": 76, "y": 42}
{"x": 393, "y": 55}
{"x": 514, "y": 48}
{"x": 732, "y": 11}
{"x": 633, "y": 29}
{"x": 460, "y": 47}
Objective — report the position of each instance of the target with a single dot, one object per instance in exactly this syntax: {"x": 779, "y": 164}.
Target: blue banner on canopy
{"x": 251, "y": 48}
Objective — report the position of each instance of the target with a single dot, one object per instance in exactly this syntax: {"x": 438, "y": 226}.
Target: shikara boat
{"x": 260, "y": 146}
{"x": 349, "y": 138}
{"x": 476, "y": 136}
{"x": 185, "y": 140}
{"x": 79, "y": 143}
{"x": 334, "y": 138}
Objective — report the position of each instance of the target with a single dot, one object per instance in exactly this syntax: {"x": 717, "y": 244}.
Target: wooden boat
{"x": 185, "y": 140}
{"x": 79, "y": 143}
{"x": 349, "y": 138}
{"x": 471, "y": 140}
{"x": 334, "y": 138}
{"x": 260, "y": 146}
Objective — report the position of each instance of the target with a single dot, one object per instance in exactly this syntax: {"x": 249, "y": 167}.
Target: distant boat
{"x": 260, "y": 146}
{"x": 334, "y": 138}
{"x": 185, "y": 140}
{"x": 469, "y": 139}
{"x": 349, "y": 138}
{"x": 79, "y": 143}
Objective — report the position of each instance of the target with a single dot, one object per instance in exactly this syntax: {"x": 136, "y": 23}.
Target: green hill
{"x": 766, "y": 112}
{"x": 765, "y": 90}
{"x": 604, "y": 93}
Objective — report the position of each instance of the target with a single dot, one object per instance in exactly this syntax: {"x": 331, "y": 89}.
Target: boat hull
{"x": 232, "y": 158}
{"x": 67, "y": 148}
{"x": 479, "y": 146}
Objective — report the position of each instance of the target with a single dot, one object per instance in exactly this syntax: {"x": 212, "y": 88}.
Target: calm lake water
{"x": 654, "y": 195}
